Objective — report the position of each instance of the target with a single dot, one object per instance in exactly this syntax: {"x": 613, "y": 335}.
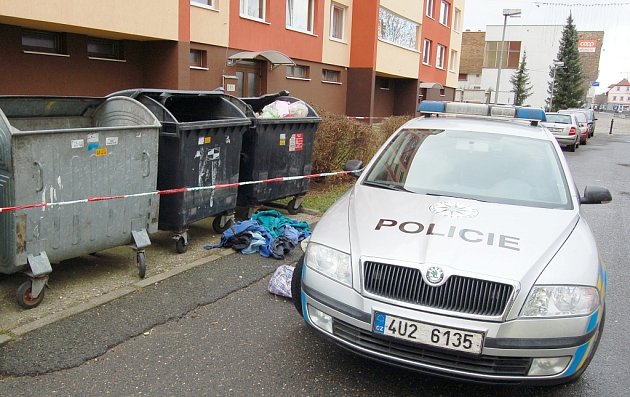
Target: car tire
{"x": 296, "y": 285}
{"x": 572, "y": 148}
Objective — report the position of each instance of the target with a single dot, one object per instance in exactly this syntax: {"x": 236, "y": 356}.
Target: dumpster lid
{"x": 272, "y": 56}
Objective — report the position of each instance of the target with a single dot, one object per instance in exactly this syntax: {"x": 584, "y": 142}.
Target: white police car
{"x": 461, "y": 251}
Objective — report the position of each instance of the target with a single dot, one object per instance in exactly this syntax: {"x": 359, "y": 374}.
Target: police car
{"x": 461, "y": 251}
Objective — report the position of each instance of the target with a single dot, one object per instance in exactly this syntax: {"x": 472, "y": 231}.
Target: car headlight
{"x": 329, "y": 262}
{"x": 560, "y": 300}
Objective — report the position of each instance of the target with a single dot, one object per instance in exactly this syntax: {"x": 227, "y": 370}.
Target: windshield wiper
{"x": 383, "y": 185}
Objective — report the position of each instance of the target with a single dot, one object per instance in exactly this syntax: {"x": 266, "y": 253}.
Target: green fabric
{"x": 273, "y": 221}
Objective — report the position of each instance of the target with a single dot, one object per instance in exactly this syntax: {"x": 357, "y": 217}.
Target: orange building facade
{"x": 356, "y": 57}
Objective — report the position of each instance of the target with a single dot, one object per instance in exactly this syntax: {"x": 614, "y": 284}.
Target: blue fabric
{"x": 273, "y": 234}
{"x": 274, "y": 222}
{"x": 254, "y": 246}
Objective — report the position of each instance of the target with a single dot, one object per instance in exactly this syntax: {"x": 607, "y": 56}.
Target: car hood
{"x": 463, "y": 236}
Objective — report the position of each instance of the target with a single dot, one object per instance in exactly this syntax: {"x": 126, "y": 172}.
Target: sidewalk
{"x": 79, "y": 284}
{"x": 621, "y": 124}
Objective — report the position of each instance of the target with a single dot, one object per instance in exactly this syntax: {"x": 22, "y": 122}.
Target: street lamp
{"x": 507, "y": 12}
{"x": 556, "y": 65}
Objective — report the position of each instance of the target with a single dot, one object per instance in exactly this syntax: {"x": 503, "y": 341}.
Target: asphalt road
{"x": 215, "y": 330}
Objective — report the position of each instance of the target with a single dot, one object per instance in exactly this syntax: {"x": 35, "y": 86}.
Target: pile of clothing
{"x": 268, "y": 232}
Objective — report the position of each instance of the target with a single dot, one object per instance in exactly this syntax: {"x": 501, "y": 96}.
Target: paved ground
{"x": 82, "y": 283}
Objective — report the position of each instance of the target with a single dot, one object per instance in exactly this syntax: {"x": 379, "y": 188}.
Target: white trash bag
{"x": 280, "y": 283}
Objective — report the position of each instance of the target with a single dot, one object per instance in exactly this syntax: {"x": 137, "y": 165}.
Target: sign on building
{"x": 587, "y": 45}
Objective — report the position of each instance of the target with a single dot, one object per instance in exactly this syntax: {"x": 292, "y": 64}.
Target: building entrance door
{"x": 250, "y": 81}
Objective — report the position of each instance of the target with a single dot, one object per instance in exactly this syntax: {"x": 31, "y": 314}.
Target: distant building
{"x": 481, "y": 54}
{"x": 355, "y": 57}
{"x": 618, "y": 96}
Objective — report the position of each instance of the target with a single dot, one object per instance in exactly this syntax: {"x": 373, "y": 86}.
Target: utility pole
{"x": 507, "y": 12}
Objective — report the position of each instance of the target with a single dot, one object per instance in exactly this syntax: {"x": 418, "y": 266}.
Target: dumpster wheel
{"x": 181, "y": 245}
{"x": 292, "y": 209}
{"x": 141, "y": 263}
{"x": 24, "y": 298}
{"x": 216, "y": 224}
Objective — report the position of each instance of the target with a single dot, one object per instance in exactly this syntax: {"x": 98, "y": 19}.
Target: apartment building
{"x": 618, "y": 96}
{"x": 482, "y": 52}
{"x": 361, "y": 58}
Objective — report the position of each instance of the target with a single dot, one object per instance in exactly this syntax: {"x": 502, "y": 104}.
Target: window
{"x": 331, "y": 76}
{"x": 209, "y": 3}
{"x": 300, "y": 15}
{"x": 439, "y": 57}
{"x": 462, "y": 77}
{"x": 298, "y": 71}
{"x": 337, "y": 21}
{"x": 198, "y": 59}
{"x": 627, "y": 88}
{"x": 614, "y": 97}
{"x": 103, "y": 48}
{"x": 45, "y": 42}
{"x": 618, "y": 88}
{"x": 397, "y": 30}
{"x": 511, "y": 54}
{"x": 452, "y": 63}
{"x": 620, "y": 99}
{"x": 253, "y": 9}
{"x": 426, "y": 52}
{"x": 457, "y": 17}
{"x": 444, "y": 9}
{"x": 430, "y": 7}
{"x": 383, "y": 83}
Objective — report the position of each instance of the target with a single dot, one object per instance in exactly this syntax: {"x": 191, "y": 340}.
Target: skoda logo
{"x": 453, "y": 210}
{"x": 435, "y": 275}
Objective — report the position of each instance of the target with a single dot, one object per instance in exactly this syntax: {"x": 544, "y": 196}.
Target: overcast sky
{"x": 612, "y": 16}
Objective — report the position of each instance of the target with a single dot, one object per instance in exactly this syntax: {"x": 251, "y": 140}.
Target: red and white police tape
{"x": 174, "y": 191}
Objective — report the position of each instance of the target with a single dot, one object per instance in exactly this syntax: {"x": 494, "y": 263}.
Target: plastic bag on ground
{"x": 280, "y": 283}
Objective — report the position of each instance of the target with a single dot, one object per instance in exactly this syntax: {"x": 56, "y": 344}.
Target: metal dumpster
{"x": 273, "y": 148}
{"x": 200, "y": 145}
{"x": 64, "y": 150}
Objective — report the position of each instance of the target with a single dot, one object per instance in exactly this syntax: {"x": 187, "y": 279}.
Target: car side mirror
{"x": 353, "y": 166}
{"x": 596, "y": 195}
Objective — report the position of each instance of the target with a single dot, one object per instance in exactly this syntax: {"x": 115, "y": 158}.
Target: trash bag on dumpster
{"x": 280, "y": 282}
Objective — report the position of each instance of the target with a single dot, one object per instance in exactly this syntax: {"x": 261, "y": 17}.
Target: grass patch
{"x": 322, "y": 195}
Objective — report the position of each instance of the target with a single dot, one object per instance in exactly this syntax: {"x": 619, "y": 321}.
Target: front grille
{"x": 483, "y": 364}
{"x": 457, "y": 294}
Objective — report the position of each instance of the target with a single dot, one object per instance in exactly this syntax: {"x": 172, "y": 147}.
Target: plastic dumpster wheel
{"x": 296, "y": 285}
{"x": 216, "y": 225}
{"x": 24, "y": 298}
{"x": 141, "y": 263}
{"x": 181, "y": 246}
{"x": 291, "y": 207}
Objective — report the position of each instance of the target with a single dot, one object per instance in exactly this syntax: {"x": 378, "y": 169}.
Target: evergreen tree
{"x": 520, "y": 82}
{"x": 566, "y": 90}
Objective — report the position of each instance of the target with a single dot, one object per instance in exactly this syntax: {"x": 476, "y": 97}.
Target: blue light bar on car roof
{"x": 481, "y": 109}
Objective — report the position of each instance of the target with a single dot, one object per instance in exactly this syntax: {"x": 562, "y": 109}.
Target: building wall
{"x": 335, "y": 52}
{"x": 210, "y": 26}
{"x": 74, "y": 74}
{"x": 539, "y": 60}
{"x": 439, "y": 34}
{"x": 119, "y": 18}
{"x": 455, "y": 44}
{"x": 252, "y": 35}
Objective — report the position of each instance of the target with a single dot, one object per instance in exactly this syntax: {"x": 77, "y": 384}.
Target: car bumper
{"x": 508, "y": 352}
{"x": 567, "y": 140}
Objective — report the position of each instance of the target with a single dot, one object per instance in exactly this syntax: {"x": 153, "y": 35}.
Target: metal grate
{"x": 457, "y": 294}
{"x": 487, "y": 365}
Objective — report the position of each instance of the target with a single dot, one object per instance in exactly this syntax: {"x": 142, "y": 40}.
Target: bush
{"x": 339, "y": 139}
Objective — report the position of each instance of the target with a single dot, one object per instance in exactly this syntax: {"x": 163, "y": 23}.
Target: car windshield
{"x": 480, "y": 166}
{"x": 558, "y": 118}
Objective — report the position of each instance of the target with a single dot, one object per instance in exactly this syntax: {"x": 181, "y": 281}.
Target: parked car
{"x": 582, "y": 123}
{"x": 461, "y": 251}
{"x": 590, "y": 118}
{"x": 564, "y": 128}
